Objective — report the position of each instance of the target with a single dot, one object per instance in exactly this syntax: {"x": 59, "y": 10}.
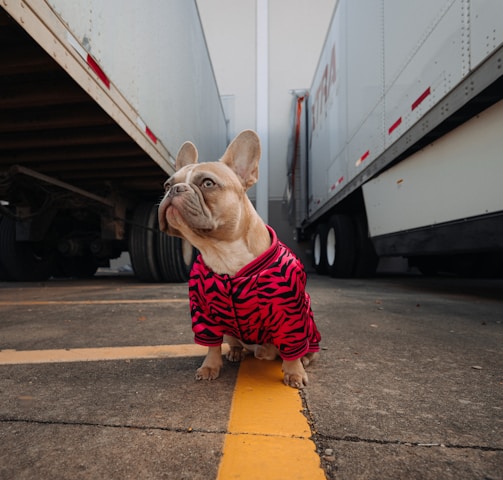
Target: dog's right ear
{"x": 186, "y": 155}
{"x": 243, "y": 155}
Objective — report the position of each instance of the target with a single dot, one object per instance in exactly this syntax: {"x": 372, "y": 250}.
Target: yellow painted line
{"x": 89, "y": 302}
{"x": 268, "y": 436}
{"x": 19, "y": 357}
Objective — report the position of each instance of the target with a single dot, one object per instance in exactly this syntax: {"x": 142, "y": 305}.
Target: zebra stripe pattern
{"x": 265, "y": 302}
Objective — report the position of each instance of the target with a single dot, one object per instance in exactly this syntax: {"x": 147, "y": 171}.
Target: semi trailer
{"x": 397, "y": 146}
{"x": 95, "y": 100}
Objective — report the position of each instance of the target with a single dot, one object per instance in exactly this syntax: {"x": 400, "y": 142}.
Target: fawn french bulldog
{"x": 245, "y": 284}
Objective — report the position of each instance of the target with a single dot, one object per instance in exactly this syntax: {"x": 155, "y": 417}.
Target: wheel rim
{"x": 187, "y": 252}
{"x": 331, "y": 246}
{"x": 317, "y": 249}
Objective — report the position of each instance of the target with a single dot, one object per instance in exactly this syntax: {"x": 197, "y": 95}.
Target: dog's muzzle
{"x": 176, "y": 190}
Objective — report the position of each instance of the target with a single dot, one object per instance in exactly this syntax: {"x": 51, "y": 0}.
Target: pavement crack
{"x": 128, "y": 426}
{"x": 320, "y": 438}
{"x": 138, "y": 427}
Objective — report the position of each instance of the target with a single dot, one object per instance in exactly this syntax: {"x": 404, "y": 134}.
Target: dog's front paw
{"x": 210, "y": 369}
{"x": 207, "y": 373}
{"x": 294, "y": 374}
{"x": 295, "y": 380}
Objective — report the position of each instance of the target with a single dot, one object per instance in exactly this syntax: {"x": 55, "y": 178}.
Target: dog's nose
{"x": 176, "y": 189}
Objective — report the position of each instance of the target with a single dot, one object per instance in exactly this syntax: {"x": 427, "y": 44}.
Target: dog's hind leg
{"x": 266, "y": 352}
{"x": 309, "y": 358}
{"x": 236, "y": 352}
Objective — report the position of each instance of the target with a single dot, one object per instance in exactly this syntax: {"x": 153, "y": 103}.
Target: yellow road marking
{"x": 268, "y": 436}
{"x": 89, "y": 302}
{"x": 15, "y": 357}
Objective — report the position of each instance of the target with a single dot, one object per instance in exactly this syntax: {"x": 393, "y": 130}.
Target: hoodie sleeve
{"x": 207, "y": 331}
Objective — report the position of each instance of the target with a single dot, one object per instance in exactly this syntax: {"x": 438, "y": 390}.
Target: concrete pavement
{"x": 409, "y": 384}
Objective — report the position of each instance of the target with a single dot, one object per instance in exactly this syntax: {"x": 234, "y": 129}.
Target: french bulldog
{"x": 245, "y": 284}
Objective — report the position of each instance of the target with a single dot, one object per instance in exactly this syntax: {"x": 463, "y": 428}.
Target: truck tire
{"x": 143, "y": 237}
{"x": 319, "y": 249}
{"x": 22, "y": 261}
{"x": 176, "y": 257}
{"x": 340, "y": 246}
{"x": 366, "y": 258}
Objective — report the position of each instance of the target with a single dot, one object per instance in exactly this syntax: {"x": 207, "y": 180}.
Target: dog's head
{"x": 208, "y": 201}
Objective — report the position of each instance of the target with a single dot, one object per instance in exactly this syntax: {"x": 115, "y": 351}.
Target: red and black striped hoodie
{"x": 265, "y": 302}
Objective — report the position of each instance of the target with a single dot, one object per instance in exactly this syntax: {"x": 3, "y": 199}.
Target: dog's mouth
{"x": 183, "y": 216}
{"x": 169, "y": 218}
{"x": 164, "y": 212}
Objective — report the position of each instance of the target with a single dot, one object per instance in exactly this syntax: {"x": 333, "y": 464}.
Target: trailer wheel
{"x": 143, "y": 243}
{"x": 340, "y": 246}
{"x": 176, "y": 257}
{"x": 366, "y": 258}
{"x": 22, "y": 261}
{"x": 319, "y": 249}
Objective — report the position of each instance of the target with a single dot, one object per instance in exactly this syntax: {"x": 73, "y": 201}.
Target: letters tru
{"x": 322, "y": 94}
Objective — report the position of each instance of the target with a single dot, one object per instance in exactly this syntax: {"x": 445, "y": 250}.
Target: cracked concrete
{"x": 396, "y": 394}
{"x": 409, "y": 383}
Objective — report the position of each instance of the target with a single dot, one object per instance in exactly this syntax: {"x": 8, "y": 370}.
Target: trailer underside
{"x": 52, "y": 126}
{"x": 75, "y": 188}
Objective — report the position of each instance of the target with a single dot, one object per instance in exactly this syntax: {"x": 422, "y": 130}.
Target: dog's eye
{"x": 207, "y": 183}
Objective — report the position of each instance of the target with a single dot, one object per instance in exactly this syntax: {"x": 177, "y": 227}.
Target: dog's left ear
{"x": 243, "y": 155}
{"x": 186, "y": 155}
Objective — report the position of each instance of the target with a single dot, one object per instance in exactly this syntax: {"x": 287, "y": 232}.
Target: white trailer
{"x": 397, "y": 144}
{"x": 95, "y": 98}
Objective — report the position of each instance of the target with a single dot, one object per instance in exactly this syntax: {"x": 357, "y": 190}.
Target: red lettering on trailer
{"x": 323, "y": 90}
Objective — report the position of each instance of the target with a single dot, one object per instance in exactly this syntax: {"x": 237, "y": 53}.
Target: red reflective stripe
{"x": 394, "y": 126}
{"x": 362, "y": 158}
{"x": 150, "y": 134}
{"x": 337, "y": 183}
{"x": 421, "y": 98}
{"x": 97, "y": 69}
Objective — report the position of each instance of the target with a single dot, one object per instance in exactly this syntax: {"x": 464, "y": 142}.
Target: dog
{"x": 245, "y": 285}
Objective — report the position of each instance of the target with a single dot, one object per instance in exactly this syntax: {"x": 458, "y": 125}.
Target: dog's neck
{"x": 229, "y": 256}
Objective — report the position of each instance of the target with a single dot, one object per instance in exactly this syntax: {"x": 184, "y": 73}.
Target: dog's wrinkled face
{"x": 207, "y": 200}
{"x": 200, "y": 199}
